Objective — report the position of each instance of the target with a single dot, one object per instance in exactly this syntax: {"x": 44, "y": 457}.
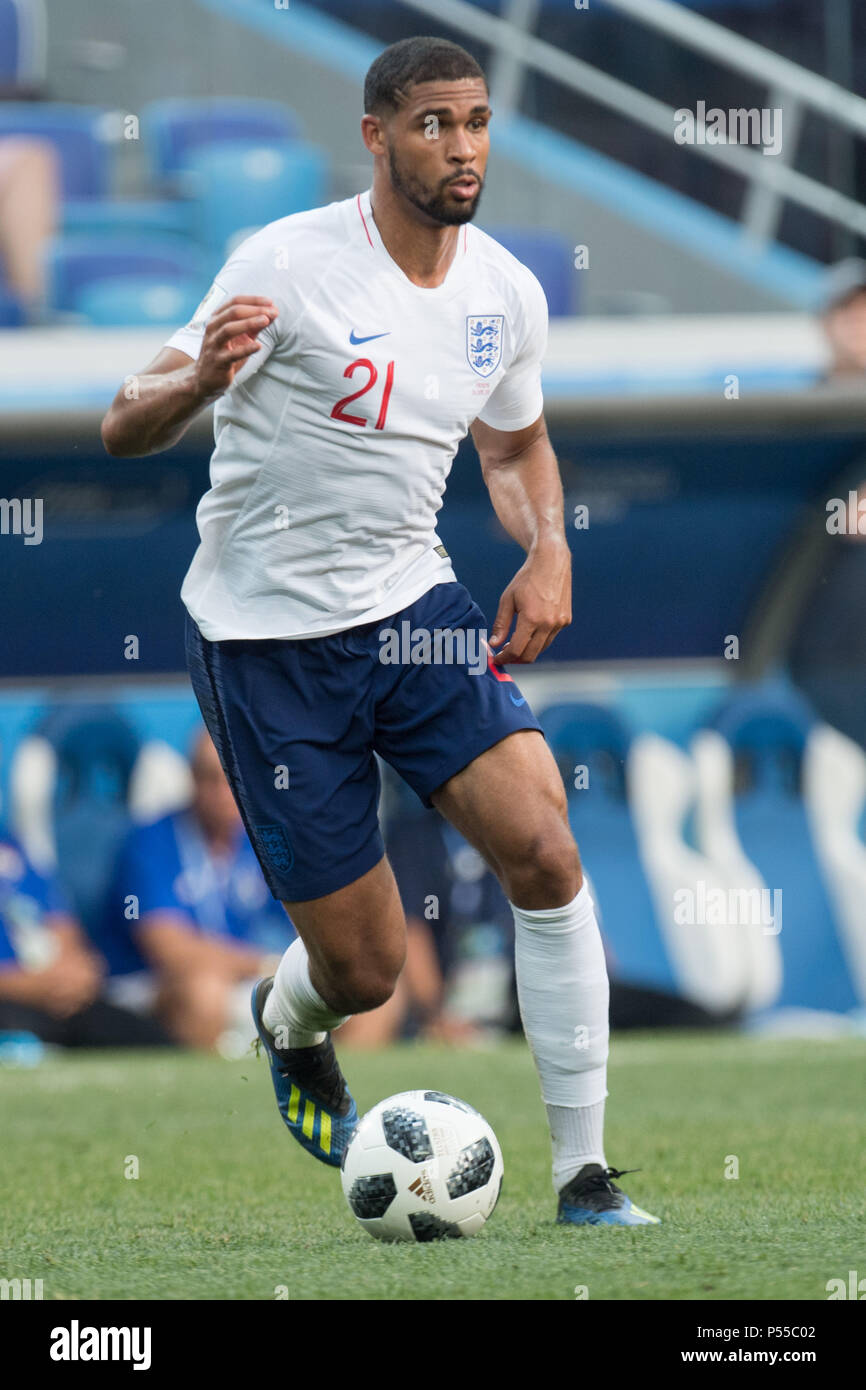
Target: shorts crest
{"x": 274, "y": 844}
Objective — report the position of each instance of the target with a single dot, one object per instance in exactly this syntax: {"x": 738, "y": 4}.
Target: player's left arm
{"x": 522, "y": 476}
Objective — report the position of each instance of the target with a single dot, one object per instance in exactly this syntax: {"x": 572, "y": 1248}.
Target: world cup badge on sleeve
{"x": 484, "y": 342}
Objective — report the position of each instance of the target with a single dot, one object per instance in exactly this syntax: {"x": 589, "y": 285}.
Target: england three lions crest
{"x": 484, "y": 342}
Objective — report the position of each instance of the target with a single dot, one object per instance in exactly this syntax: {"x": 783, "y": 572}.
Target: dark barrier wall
{"x": 687, "y": 516}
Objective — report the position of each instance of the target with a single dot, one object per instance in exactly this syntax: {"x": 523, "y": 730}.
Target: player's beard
{"x": 434, "y": 204}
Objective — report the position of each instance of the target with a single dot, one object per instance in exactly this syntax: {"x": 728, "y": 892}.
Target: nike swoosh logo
{"x": 521, "y": 701}
{"x": 369, "y": 338}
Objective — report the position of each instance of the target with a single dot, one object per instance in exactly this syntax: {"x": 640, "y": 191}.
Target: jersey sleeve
{"x": 247, "y": 271}
{"x": 518, "y": 399}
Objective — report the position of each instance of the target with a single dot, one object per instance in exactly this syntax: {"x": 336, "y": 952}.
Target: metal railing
{"x": 770, "y": 179}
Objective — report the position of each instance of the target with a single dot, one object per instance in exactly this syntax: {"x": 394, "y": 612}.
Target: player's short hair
{"x": 414, "y": 60}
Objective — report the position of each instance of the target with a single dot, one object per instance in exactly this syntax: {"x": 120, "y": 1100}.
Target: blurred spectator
{"x": 51, "y": 980}
{"x": 30, "y": 185}
{"x": 190, "y": 921}
{"x": 843, "y": 319}
{"x": 29, "y": 202}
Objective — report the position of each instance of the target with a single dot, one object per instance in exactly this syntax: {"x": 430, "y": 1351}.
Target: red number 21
{"x": 338, "y": 412}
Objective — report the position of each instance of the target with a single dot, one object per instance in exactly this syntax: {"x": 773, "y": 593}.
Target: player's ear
{"x": 373, "y": 134}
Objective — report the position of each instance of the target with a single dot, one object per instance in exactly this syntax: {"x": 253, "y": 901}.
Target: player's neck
{"x": 423, "y": 252}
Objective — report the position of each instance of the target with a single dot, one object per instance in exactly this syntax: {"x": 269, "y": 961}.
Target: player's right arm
{"x": 153, "y": 408}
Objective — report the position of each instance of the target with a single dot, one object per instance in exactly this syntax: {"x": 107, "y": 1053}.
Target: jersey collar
{"x": 369, "y": 232}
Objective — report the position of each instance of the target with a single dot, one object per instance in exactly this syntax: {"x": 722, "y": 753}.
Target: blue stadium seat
{"x": 22, "y": 43}
{"x": 75, "y": 132}
{"x": 96, "y": 751}
{"x": 767, "y": 733}
{"x": 177, "y": 127}
{"x": 134, "y": 301}
{"x": 584, "y": 734}
{"x": 244, "y": 185}
{"x": 76, "y": 265}
{"x": 549, "y": 257}
{"x": 127, "y": 216}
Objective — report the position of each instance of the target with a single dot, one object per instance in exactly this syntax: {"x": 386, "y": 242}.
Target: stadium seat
{"x": 769, "y": 732}
{"x": 22, "y": 43}
{"x": 161, "y": 781}
{"x": 716, "y": 835}
{"x": 628, "y": 822}
{"x": 85, "y": 774}
{"x": 78, "y": 266}
{"x": 75, "y": 132}
{"x": 134, "y": 301}
{"x": 709, "y": 960}
{"x": 590, "y": 736}
{"x": 549, "y": 257}
{"x": 75, "y": 786}
{"x": 32, "y": 779}
{"x": 162, "y": 217}
{"x": 834, "y": 784}
{"x": 242, "y": 185}
{"x": 177, "y": 127}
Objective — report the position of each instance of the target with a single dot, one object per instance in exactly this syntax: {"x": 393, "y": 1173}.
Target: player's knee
{"x": 372, "y": 992}
{"x": 545, "y": 870}
{"x": 364, "y": 990}
{"x": 365, "y": 983}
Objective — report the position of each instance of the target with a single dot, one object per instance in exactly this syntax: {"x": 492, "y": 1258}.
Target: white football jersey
{"x": 335, "y": 439}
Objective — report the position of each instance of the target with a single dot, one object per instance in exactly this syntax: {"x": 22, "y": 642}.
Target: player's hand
{"x": 539, "y": 596}
{"x": 229, "y": 339}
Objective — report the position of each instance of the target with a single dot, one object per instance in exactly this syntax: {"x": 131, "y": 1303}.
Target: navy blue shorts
{"x": 296, "y": 723}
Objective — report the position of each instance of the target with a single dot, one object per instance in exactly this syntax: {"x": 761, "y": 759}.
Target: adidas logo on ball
{"x": 423, "y": 1188}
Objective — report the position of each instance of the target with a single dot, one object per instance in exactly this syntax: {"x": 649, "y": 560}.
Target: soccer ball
{"x": 422, "y": 1166}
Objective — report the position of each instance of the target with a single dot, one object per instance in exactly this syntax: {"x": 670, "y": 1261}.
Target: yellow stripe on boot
{"x": 325, "y": 1132}
{"x": 309, "y": 1119}
{"x": 294, "y": 1102}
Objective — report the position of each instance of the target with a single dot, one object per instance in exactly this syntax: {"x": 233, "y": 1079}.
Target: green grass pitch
{"x": 227, "y": 1206}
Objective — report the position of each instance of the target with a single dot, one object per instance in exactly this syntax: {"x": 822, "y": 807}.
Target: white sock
{"x": 294, "y": 1012}
{"x": 577, "y": 1133}
{"x": 563, "y": 993}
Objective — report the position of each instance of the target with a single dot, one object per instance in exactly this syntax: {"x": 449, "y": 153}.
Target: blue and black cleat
{"x": 592, "y": 1199}
{"x": 312, "y": 1095}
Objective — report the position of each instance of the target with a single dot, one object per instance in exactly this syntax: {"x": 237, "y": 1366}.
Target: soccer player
{"x": 349, "y": 349}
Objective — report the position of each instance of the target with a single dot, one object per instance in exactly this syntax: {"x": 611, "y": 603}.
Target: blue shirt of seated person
{"x": 28, "y": 901}
{"x": 168, "y": 867}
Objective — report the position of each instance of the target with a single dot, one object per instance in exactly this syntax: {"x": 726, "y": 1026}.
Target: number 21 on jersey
{"x": 339, "y": 412}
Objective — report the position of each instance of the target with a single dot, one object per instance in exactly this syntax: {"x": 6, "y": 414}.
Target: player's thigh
{"x": 358, "y": 930}
{"x": 444, "y": 711}
{"x": 510, "y": 803}
{"x": 292, "y": 725}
